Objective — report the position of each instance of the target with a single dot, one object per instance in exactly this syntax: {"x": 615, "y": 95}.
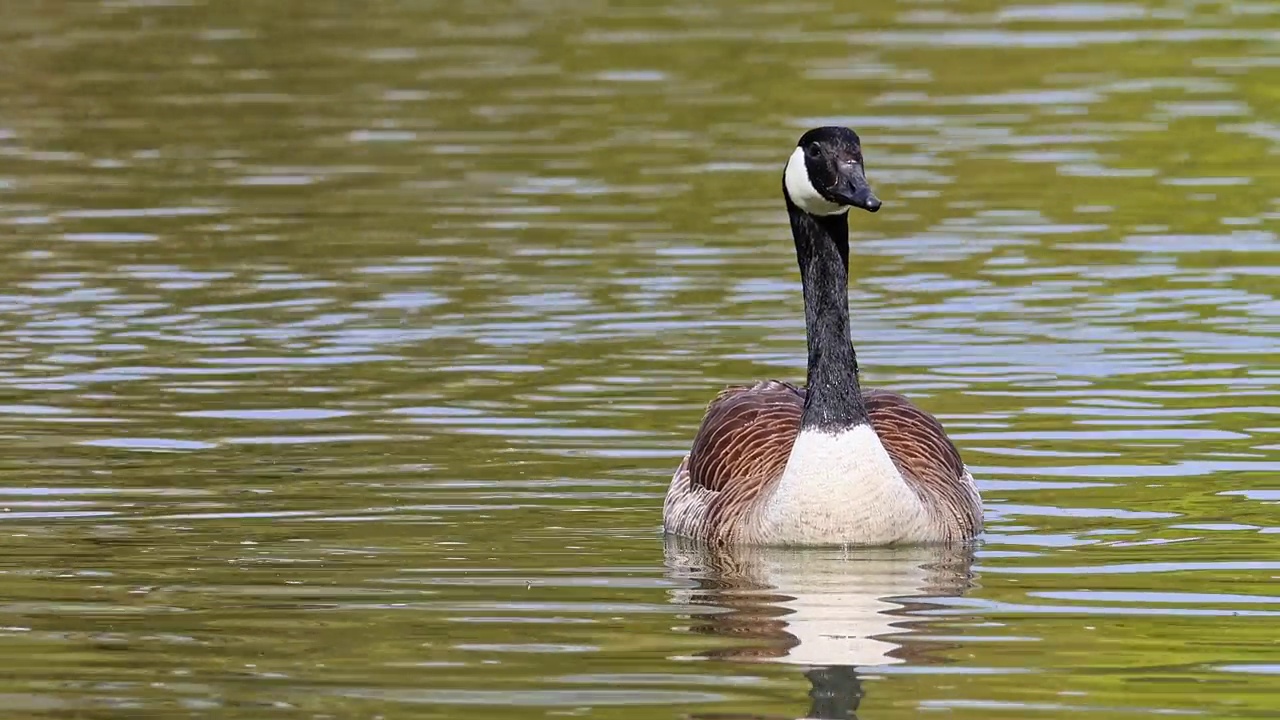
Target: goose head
{"x": 825, "y": 175}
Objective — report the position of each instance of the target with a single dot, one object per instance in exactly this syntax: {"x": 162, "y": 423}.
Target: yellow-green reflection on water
{"x": 347, "y": 349}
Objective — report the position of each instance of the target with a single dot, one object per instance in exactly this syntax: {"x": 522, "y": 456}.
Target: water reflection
{"x": 836, "y": 612}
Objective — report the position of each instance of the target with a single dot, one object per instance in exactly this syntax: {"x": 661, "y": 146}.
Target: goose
{"x": 829, "y": 464}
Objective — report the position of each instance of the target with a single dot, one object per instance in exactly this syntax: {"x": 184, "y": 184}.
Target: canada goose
{"x": 831, "y": 463}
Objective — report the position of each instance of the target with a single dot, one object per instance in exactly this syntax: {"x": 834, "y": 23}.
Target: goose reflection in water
{"x": 832, "y": 611}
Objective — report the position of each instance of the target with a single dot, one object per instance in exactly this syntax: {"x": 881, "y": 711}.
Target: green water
{"x": 346, "y": 351}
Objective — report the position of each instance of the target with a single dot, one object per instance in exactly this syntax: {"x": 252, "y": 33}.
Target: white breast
{"x": 842, "y": 489}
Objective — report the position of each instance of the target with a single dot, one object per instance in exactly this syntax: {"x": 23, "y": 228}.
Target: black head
{"x": 825, "y": 174}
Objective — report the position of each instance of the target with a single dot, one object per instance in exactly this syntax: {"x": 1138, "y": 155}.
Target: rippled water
{"x": 347, "y": 350}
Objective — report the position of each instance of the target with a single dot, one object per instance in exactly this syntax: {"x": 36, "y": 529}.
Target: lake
{"x": 347, "y": 350}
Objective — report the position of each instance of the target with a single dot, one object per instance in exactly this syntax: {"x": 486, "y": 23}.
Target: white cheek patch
{"x": 801, "y": 190}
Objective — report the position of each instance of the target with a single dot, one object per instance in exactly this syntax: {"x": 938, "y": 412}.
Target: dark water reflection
{"x": 346, "y": 351}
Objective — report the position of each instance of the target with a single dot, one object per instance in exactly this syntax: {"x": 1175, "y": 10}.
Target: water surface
{"x": 347, "y": 352}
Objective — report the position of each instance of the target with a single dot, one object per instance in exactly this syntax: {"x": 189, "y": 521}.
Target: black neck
{"x": 834, "y": 399}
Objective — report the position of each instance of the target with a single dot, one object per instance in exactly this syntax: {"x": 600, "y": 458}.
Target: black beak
{"x": 852, "y": 188}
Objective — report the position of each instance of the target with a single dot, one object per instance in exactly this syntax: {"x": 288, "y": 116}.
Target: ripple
{"x": 150, "y": 444}
{"x": 109, "y": 237}
{"x": 1251, "y": 669}
{"x": 278, "y": 414}
{"x": 532, "y": 698}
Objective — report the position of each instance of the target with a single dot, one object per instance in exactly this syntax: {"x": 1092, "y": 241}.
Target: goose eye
{"x": 813, "y": 151}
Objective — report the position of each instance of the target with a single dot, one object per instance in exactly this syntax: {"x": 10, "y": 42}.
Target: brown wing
{"x": 740, "y": 450}
{"x": 927, "y": 458}
{"x": 915, "y": 439}
{"x": 746, "y": 435}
